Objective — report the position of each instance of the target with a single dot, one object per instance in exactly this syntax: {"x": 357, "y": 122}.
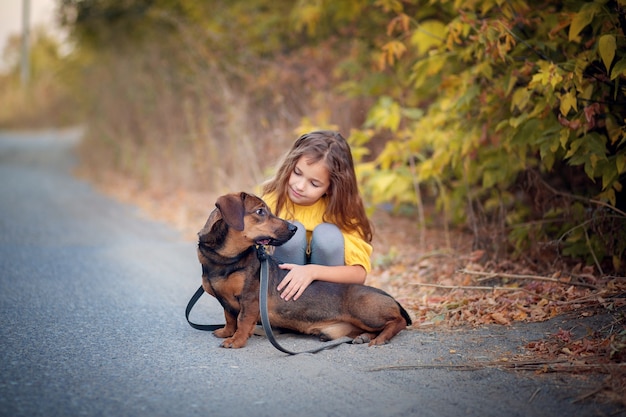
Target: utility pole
{"x": 25, "y": 62}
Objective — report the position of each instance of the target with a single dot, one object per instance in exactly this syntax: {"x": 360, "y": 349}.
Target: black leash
{"x": 190, "y": 304}
{"x": 265, "y": 320}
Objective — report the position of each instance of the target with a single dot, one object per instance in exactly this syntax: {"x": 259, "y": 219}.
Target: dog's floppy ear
{"x": 233, "y": 210}
{"x": 213, "y": 218}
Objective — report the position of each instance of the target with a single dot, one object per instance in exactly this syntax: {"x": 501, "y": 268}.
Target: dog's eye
{"x": 260, "y": 212}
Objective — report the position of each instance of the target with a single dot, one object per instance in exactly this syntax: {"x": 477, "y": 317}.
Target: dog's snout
{"x": 292, "y": 228}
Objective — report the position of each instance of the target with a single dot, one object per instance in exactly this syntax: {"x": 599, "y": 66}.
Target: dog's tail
{"x": 404, "y": 314}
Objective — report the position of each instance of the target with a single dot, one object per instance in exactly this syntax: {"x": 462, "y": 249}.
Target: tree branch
{"x": 490, "y": 275}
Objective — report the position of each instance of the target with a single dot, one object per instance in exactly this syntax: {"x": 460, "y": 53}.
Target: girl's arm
{"x": 301, "y": 276}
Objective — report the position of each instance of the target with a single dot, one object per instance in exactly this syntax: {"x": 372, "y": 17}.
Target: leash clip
{"x": 260, "y": 253}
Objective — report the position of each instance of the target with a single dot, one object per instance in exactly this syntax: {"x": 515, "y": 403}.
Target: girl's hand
{"x": 295, "y": 282}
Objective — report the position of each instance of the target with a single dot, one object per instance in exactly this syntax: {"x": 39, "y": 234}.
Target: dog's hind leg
{"x": 392, "y": 328}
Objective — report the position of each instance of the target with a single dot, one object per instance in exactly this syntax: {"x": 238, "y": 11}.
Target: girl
{"x": 315, "y": 188}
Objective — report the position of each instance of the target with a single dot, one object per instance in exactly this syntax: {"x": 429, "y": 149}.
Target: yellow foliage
{"x": 428, "y": 34}
{"x": 387, "y": 114}
{"x": 392, "y": 51}
{"x": 568, "y": 102}
{"x": 390, "y": 5}
{"x": 619, "y": 70}
{"x": 319, "y": 121}
{"x": 307, "y": 17}
{"x": 581, "y": 19}
{"x": 520, "y": 99}
{"x": 427, "y": 67}
{"x": 607, "y": 46}
{"x": 401, "y": 22}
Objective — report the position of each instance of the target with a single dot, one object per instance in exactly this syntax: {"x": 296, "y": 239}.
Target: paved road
{"x": 92, "y": 298}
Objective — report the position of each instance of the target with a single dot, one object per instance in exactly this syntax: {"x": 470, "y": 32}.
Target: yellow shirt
{"x": 356, "y": 250}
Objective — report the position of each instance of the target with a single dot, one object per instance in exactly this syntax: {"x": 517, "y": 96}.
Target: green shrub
{"x": 508, "y": 114}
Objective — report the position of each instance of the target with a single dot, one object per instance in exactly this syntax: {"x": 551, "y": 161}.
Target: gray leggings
{"x": 327, "y": 246}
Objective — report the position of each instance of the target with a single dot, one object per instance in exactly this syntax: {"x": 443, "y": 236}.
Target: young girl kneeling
{"x": 315, "y": 188}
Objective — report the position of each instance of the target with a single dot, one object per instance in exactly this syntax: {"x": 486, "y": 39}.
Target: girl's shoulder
{"x": 270, "y": 199}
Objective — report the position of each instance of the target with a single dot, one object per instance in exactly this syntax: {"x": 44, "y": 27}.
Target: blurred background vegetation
{"x": 502, "y": 117}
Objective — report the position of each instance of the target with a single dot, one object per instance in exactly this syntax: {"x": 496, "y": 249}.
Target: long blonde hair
{"x": 345, "y": 206}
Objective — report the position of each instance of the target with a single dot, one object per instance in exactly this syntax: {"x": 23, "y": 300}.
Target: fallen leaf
{"x": 500, "y": 319}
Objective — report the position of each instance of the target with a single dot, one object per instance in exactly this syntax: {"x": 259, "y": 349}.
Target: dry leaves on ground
{"x": 458, "y": 287}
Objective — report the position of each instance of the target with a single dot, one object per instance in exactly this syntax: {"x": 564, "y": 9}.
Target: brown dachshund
{"x": 231, "y": 268}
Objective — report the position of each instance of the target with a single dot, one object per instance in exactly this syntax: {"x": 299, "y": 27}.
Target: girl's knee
{"x": 294, "y": 250}
{"x": 327, "y": 245}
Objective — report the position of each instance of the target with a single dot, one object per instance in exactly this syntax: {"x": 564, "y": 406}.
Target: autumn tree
{"x": 513, "y": 117}
{"x": 507, "y": 114}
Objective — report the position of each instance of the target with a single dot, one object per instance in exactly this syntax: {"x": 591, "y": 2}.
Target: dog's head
{"x": 241, "y": 220}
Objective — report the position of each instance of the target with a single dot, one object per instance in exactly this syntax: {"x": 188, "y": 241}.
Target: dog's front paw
{"x": 224, "y": 332}
{"x": 233, "y": 343}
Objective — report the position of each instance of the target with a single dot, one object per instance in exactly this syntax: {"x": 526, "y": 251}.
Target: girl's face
{"x": 308, "y": 182}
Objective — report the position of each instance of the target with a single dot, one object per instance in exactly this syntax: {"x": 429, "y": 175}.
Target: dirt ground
{"x": 446, "y": 284}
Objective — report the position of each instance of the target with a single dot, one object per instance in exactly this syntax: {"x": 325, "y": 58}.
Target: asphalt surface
{"x": 92, "y": 299}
